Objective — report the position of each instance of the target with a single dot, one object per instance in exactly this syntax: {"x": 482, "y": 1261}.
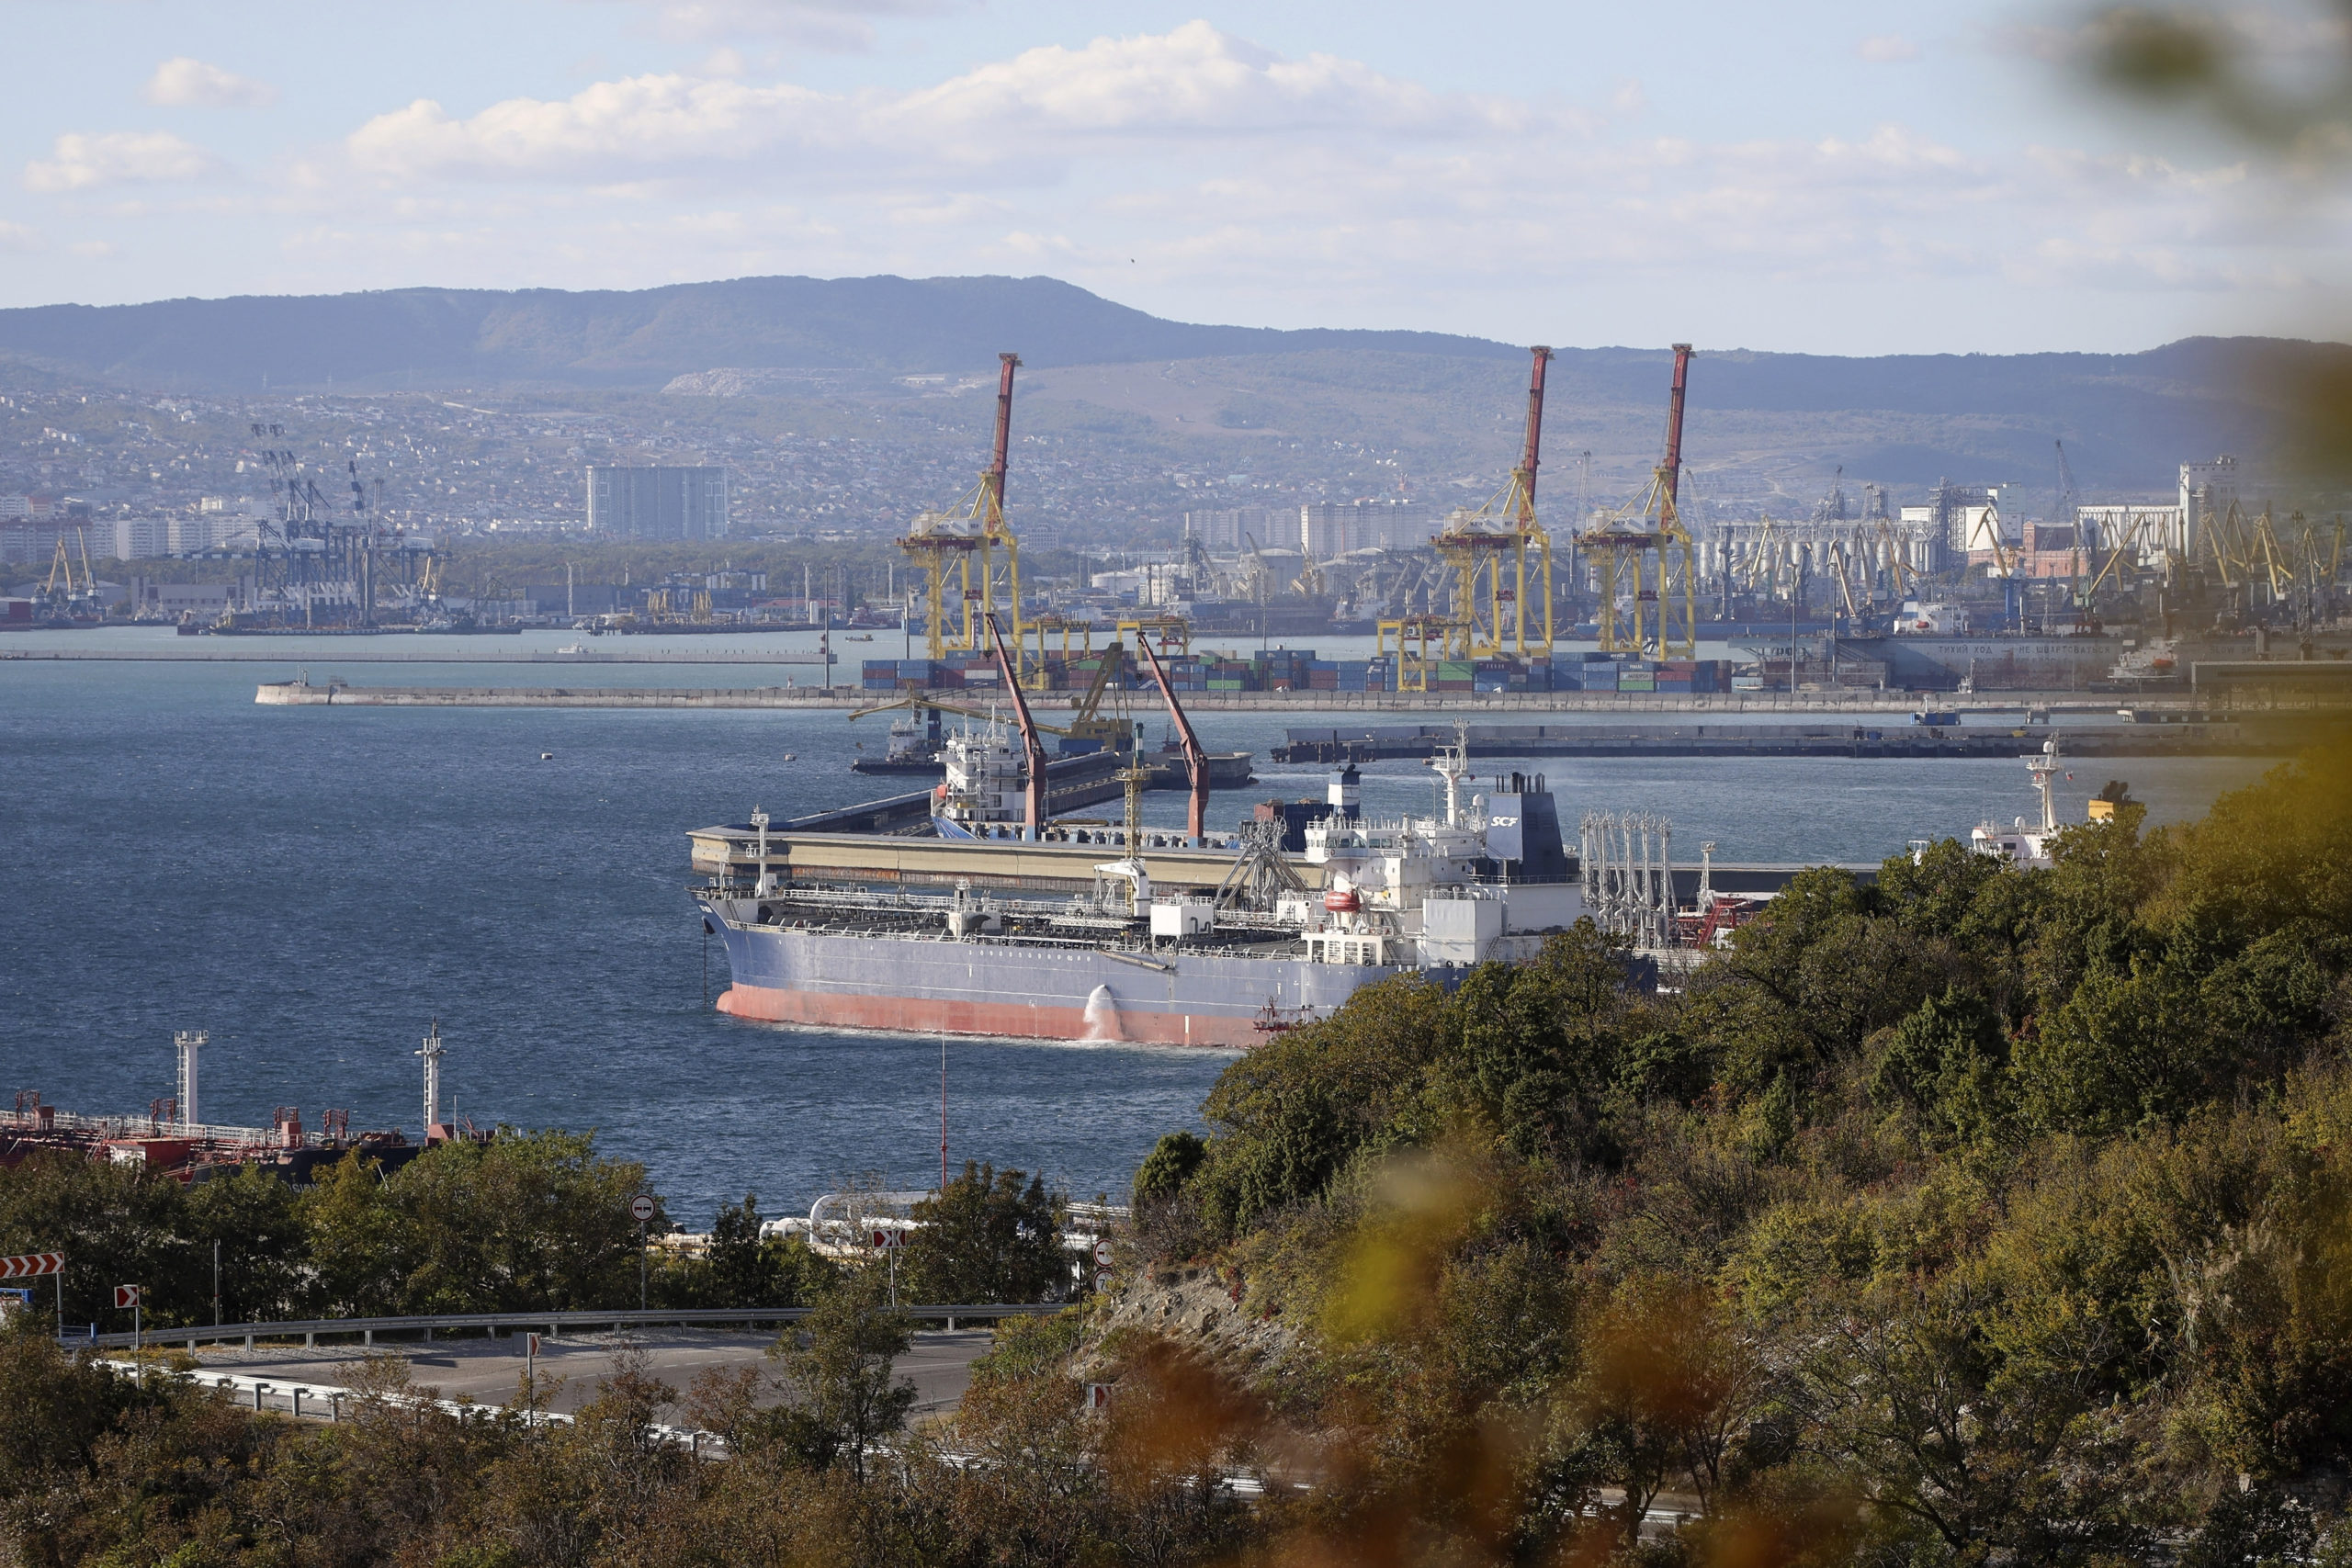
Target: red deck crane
{"x": 1195, "y": 760}
{"x": 1032, "y": 745}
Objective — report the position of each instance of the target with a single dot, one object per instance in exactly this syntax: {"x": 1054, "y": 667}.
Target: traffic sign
{"x": 532, "y": 1348}
{"x": 1098, "y": 1396}
{"x": 889, "y": 1237}
{"x": 641, "y": 1208}
{"x": 1102, "y": 1252}
{"x": 32, "y": 1265}
{"x": 1102, "y": 1278}
{"x": 126, "y": 1296}
{"x": 17, "y": 1299}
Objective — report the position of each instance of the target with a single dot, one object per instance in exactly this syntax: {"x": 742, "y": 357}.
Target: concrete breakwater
{"x": 260, "y": 651}
{"x": 337, "y": 694}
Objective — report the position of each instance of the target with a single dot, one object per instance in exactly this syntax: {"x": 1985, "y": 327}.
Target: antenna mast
{"x": 189, "y": 1041}
{"x": 432, "y": 1053}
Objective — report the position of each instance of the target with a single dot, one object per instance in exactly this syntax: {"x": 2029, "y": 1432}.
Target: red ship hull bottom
{"x": 1017, "y": 1020}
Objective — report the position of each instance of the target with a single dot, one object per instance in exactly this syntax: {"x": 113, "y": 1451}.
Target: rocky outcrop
{"x": 1202, "y": 1308}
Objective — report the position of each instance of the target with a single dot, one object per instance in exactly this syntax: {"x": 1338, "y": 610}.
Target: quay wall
{"x": 297, "y": 695}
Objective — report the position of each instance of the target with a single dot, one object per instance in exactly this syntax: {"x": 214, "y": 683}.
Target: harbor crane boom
{"x": 1672, "y": 468}
{"x": 1195, "y": 760}
{"x": 1619, "y": 545}
{"x": 1034, "y": 748}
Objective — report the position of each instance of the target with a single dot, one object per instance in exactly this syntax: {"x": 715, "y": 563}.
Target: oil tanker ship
{"x": 1191, "y": 939}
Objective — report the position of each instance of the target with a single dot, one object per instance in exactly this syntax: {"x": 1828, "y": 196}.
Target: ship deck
{"x": 1063, "y": 861}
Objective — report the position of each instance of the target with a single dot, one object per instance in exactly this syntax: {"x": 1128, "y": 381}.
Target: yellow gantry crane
{"x": 958, "y": 548}
{"x": 1487, "y": 552}
{"x": 86, "y": 586}
{"x": 1650, "y": 527}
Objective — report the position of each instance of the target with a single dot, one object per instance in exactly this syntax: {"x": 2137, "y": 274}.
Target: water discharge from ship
{"x": 1102, "y": 1018}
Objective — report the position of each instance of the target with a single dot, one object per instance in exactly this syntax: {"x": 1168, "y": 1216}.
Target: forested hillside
{"x": 1974, "y": 1215}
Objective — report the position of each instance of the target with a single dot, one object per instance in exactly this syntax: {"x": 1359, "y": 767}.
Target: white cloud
{"x": 1887, "y": 48}
{"x": 1248, "y": 184}
{"x": 1049, "y": 103}
{"x": 83, "y": 161}
{"x": 184, "y": 82}
{"x": 17, "y": 238}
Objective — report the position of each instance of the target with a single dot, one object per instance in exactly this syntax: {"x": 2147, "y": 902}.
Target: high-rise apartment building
{"x": 658, "y": 503}
{"x": 1331, "y": 528}
{"x": 137, "y": 538}
{"x": 1238, "y": 527}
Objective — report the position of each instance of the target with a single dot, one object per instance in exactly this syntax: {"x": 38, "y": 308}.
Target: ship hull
{"x": 929, "y": 984}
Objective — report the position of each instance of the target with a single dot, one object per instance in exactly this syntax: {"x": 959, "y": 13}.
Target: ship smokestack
{"x": 1345, "y": 795}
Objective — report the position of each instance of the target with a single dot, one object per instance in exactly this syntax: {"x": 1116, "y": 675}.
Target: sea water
{"x": 313, "y": 886}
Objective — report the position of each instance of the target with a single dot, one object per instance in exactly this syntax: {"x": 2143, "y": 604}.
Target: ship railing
{"x": 1069, "y": 943}
{"x": 495, "y": 1325}
{"x": 136, "y": 1127}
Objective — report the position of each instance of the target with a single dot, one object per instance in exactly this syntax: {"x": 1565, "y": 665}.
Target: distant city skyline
{"x": 1908, "y": 178}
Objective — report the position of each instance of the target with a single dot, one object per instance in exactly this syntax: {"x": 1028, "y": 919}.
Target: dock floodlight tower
{"x": 949, "y": 545}
{"x": 188, "y": 1042}
{"x": 1622, "y": 545}
{"x": 1486, "y": 550}
{"x": 433, "y": 1051}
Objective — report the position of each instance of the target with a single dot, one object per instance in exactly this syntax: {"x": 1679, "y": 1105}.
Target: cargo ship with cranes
{"x": 969, "y": 908}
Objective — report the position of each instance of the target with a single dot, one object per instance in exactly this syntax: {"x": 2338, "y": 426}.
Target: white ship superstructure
{"x": 2023, "y": 844}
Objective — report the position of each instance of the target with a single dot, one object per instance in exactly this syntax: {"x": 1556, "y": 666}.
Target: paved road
{"x": 490, "y": 1370}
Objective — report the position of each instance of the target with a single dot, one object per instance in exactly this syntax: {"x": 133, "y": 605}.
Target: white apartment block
{"x": 136, "y": 539}
{"x": 1328, "y": 529}
{"x": 1236, "y": 527}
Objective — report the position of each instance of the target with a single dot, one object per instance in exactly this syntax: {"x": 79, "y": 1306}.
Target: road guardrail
{"x": 552, "y": 1324}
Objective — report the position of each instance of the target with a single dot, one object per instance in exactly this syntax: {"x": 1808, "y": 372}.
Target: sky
{"x": 1902, "y": 177}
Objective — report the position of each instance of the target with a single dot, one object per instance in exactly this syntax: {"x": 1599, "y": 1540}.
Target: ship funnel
{"x": 1345, "y": 795}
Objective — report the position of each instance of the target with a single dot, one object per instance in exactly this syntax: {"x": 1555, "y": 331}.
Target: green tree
{"x": 1170, "y": 1164}
{"x": 986, "y": 1237}
{"x": 357, "y": 1253}
{"x": 745, "y": 1269}
{"x": 840, "y": 1366}
{"x": 254, "y": 1218}
{"x": 117, "y": 1224}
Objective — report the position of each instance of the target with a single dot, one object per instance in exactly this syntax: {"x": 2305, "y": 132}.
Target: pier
{"x": 2190, "y": 738}
{"x": 1896, "y": 705}
{"x": 1852, "y": 724}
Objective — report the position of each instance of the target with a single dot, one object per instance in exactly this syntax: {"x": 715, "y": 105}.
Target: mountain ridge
{"x": 2126, "y": 419}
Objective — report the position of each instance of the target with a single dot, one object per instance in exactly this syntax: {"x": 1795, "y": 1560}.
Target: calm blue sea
{"x": 312, "y": 886}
